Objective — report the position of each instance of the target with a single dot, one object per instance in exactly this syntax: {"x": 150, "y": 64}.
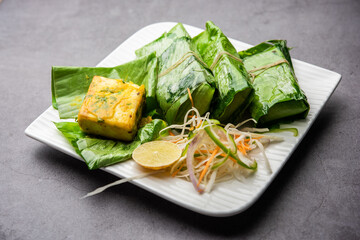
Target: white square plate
{"x": 227, "y": 198}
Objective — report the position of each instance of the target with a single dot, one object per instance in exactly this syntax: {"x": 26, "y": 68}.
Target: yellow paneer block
{"x": 112, "y": 108}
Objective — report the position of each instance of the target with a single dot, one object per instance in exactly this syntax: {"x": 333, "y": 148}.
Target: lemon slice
{"x": 157, "y": 154}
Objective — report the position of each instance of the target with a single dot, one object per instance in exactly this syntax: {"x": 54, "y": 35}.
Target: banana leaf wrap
{"x": 163, "y": 42}
{"x": 180, "y": 68}
{"x": 277, "y": 95}
{"x": 99, "y": 152}
{"x": 231, "y": 78}
{"x": 69, "y": 85}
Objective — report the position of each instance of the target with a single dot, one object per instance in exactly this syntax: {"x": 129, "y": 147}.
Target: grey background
{"x": 316, "y": 195}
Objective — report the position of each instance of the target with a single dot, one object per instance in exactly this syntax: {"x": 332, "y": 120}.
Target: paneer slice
{"x": 112, "y": 108}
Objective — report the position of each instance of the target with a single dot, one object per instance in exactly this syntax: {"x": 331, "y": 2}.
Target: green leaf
{"x": 277, "y": 95}
{"x": 70, "y": 84}
{"x": 178, "y": 71}
{"x": 163, "y": 42}
{"x": 231, "y": 78}
{"x": 99, "y": 152}
{"x": 171, "y": 92}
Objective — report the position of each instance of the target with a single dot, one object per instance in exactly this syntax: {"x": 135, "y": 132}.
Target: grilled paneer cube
{"x": 112, "y": 108}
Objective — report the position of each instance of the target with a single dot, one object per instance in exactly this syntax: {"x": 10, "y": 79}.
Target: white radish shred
{"x": 211, "y": 182}
{"x": 124, "y": 180}
{"x": 259, "y": 130}
{"x": 267, "y": 163}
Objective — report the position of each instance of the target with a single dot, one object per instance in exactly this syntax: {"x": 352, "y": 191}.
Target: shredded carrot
{"x": 248, "y": 139}
{"x": 177, "y": 170}
{"x": 192, "y": 102}
{"x": 245, "y": 146}
{"x": 207, "y": 165}
{"x": 170, "y": 133}
{"x": 241, "y": 150}
{"x": 177, "y": 140}
{"x": 199, "y": 124}
{"x": 202, "y": 151}
{"x": 232, "y": 159}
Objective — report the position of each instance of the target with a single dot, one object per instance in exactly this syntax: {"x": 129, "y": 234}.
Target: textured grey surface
{"x": 316, "y": 195}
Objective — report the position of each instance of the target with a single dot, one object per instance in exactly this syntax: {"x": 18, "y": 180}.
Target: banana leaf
{"x": 69, "y": 85}
{"x": 163, "y": 42}
{"x": 277, "y": 95}
{"x": 98, "y": 152}
{"x": 231, "y": 78}
{"x": 181, "y": 68}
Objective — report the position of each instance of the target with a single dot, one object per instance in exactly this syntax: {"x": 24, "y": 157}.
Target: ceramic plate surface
{"x": 227, "y": 198}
